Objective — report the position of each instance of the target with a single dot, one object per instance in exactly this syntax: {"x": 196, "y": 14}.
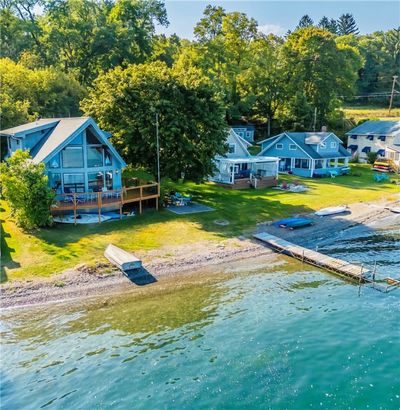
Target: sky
{"x": 278, "y": 17}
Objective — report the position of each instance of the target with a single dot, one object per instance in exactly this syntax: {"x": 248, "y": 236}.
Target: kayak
{"x": 332, "y": 210}
{"x": 299, "y": 224}
{"x": 295, "y": 222}
{"x": 285, "y": 222}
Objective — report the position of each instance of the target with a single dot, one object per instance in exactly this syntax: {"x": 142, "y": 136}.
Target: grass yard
{"x": 364, "y": 112}
{"x": 52, "y": 250}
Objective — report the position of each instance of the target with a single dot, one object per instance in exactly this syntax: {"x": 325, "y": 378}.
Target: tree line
{"x": 103, "y": 58}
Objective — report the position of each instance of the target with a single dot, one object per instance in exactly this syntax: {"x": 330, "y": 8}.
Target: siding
{"x": 285, "y": 152}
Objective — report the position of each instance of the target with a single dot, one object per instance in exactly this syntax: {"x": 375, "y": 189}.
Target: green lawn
{"x": 63, "y": 246}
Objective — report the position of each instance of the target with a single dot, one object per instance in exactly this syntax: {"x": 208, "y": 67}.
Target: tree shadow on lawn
{"x": 6, "y": 254}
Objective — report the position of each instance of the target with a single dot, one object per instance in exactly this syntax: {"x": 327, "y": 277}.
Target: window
{"x": 95, "y": 181}
{"x": 279, "y": 146}
{"x": 333, "y": 144}
{"x": 382, "y": 137}
{"x": 302, "y": 163}
{"x": 55, "y": 181}
{"x": 91, "y": 138}
{"x": 322, "y": 145}
{"x": 354, "y": 137}
{"x": 54, "y": 162}
{"x": 94, "y": 156}
{"x": 109, "y": 179}
{"x": 318, "y": 163}
{"x": 72, "y": 157}
{"x": 370, "y": 137}
{"x": 248, "y": 134}
{"x": 332, "y": 163}
{"x": 74, "y": 183}
{"x": 107, "y": 157}
{"x": 292, "y": 147}
{"x": 232, "y": 148}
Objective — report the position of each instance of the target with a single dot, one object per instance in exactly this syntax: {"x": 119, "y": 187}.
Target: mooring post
{"x": 373, "y": 273}
{"x": 302, "y": 257}
{"x": 360, "y": 281}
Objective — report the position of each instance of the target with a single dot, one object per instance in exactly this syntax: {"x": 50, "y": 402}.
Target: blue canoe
{"x": 299, "y": 223}
{"x": 284, "y": 222}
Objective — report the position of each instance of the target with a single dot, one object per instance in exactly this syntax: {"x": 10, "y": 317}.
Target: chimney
{"x": 324, "y": 128}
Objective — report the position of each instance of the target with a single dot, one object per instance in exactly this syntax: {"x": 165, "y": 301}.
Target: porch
{"x": 308, "y": 167}
{"x": 113, "y": 199}
{"x": 247, "y": 172}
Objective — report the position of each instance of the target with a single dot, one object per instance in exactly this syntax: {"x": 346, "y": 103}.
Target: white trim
{"x": 292, "y": 149}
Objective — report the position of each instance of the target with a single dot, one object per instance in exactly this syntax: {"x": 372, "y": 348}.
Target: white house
{"x": 239, "y": 169}
{"x": 382, "y": 137}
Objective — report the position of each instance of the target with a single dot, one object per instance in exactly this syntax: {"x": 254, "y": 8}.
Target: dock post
{"x": 360, "y": 281}
{"x": 373, "y": 273}
{"x": 302, "y": 256}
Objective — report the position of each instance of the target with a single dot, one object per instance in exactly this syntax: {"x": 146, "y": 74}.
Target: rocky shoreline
{"x": 103, "y": 279}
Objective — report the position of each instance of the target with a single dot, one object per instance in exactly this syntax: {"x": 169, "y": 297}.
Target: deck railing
{"x": 76, "y": 201}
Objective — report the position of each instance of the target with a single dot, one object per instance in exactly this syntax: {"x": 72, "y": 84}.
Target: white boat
{"x": 332, "y": 210}
{"x": 81, "y": 219}
{"x": 396, "y": 209}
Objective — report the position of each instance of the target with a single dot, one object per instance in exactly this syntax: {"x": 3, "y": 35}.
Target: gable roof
{"x": 63, "y": 131}
{"x": 241, "y": 141}
{"x": 305, "y": 140}
{"x": 376, "y": 127}
{"x": 20, "y": 130}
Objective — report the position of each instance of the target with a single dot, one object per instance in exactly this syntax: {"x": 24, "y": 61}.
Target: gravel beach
{"x": 83, "y": 281}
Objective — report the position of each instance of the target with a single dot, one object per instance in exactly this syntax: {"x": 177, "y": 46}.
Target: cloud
{"x": 271, "y": 29}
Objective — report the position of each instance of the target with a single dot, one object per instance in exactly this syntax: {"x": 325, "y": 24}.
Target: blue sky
{"x": 279, "y": 16}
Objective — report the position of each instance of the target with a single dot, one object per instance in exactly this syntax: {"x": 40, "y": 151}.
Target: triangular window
{"x": 91, "y": 138}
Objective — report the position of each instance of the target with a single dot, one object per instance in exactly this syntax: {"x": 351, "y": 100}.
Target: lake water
{"x": 284, "y": 337}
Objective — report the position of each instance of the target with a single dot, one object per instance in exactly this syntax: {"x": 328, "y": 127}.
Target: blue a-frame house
{"x": 77, "y": 153}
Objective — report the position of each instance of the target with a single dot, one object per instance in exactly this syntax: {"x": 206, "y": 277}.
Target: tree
{"x": 329, "y": 25}
{"x": 24, "y": 186}
{"x": 192, "y": 127}
{"x": 165, "y": 49}
{"x": 372, "y": 157}
{"x": 25, "y": 94}
{"x": 263, "y": 82}
{"x": 347, "y": 25}
{"x": 320, "y": 72}
{"x": 305, "y": 21}
{"x": 210, "y": 26}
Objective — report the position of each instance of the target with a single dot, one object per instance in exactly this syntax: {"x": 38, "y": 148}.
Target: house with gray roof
{"x": 77, "y": 153}
{"x": 238, "y": 169}
{"x": 307, "y": 154}
{"x": 382, "y": 137}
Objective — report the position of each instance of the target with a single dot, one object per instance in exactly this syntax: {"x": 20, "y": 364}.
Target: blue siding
{"x": 285, "y": 152}
{"x": 328, "y": 149}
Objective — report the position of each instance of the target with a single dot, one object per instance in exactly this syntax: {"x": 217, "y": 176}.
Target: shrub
{"x": 371, "y": 157}
{"x": 24, "y": 186}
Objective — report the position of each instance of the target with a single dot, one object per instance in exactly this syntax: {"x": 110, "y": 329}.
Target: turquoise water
{"x": 283, "y": 337}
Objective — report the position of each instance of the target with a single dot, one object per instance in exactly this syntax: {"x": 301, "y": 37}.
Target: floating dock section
{"x": 338, "y": 266}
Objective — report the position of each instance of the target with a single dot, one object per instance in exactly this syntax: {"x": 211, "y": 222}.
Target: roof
{"x": 376, "y": 128}
{"x": 31, "y": 126}
{"x": 253, "y": 159}
{"x": 305, "y": 140}
{"x": 62, "y": 130}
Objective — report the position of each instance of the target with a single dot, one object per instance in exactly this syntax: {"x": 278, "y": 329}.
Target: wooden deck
{"x": 115, "y": 199}
{"x": 338, "y": 266}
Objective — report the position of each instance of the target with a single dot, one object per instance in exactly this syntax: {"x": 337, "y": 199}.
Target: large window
{"x": 302, "y": 163}
{"x": 72, "y": 157}
{"x": 95, "y": 181}
{"x": 107, "y": 157}
{"x": 94, "y": 156}
{"x": 232, "y": 148}
{"x": 74, "y": 183}
{"x": 55, "y": 181}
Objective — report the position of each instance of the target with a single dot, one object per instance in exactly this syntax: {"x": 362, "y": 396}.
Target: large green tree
{"x": 191, "y": 121}
{"x": 346, "y": 24}
{"x": 321, "y": 71}
{"x": 24, "y": 186}
{"x": 25, "y": 94}
{"x": 263, "y": 83}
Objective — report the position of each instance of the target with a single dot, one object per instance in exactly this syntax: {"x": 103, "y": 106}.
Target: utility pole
{"x": 315, "y": 119}
{"x": 392, "y": 93}
{"x": 158, "y": 150}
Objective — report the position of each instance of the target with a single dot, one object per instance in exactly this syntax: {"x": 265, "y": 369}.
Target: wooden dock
{"x": 338, "y": 266}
